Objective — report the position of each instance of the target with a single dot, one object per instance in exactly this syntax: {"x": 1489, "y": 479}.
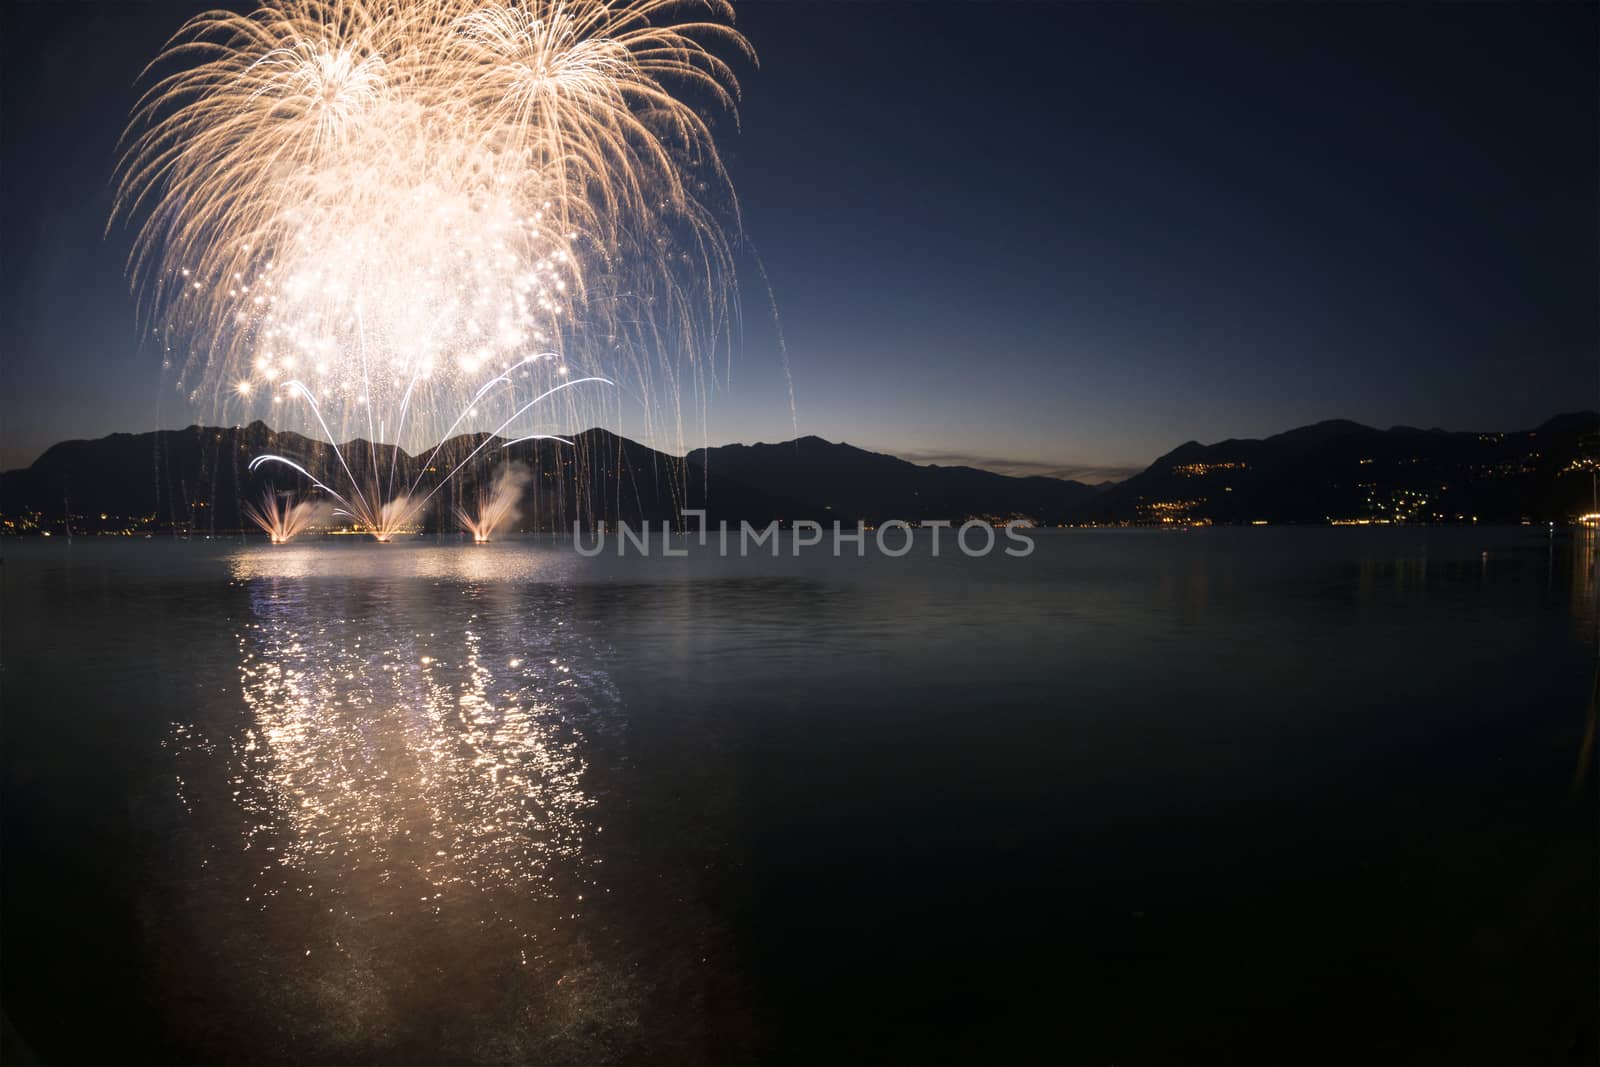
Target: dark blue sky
{"x": 1031, "y": 236}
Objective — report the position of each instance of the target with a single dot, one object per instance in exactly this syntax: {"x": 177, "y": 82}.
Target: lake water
{"x": 1228, "y": 795}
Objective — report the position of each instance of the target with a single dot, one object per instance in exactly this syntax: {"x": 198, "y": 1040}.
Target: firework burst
{"x": 396, "y": 219}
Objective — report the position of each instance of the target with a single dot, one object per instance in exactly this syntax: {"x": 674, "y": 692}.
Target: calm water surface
{"x": 1305, "y": 795}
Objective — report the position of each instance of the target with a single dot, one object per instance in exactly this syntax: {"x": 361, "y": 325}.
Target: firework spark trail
{"x": 369, "y": 205}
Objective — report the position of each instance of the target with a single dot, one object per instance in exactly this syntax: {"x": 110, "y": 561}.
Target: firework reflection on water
{"x": 409, "y": 791}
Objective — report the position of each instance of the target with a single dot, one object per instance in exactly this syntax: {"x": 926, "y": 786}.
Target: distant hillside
{"x": 849, "y": 483}
{"x": 196, "y": 480}
{"x": 1343, "y": 470}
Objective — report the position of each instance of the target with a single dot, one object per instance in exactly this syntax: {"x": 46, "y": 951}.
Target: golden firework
{"x": 398, "y": 215}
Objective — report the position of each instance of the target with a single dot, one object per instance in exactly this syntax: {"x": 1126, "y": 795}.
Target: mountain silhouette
{"x": 197, "y": 480}
{"x": 1344, "y": 470}
{"x": 848, "y": 483}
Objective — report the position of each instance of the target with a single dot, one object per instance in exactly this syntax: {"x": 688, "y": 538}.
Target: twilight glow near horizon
{"x": 992, "y": 237}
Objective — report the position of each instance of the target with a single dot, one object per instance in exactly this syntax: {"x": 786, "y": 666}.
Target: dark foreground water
{"x": 1269, "y": 795}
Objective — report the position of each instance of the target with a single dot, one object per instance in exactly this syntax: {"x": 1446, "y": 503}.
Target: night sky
{"x": 1029, "y": 236}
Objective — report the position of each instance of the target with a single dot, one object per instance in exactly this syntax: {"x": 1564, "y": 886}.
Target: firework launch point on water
{"x": 497, "y": 504}
{"x": 282, "y": 520}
